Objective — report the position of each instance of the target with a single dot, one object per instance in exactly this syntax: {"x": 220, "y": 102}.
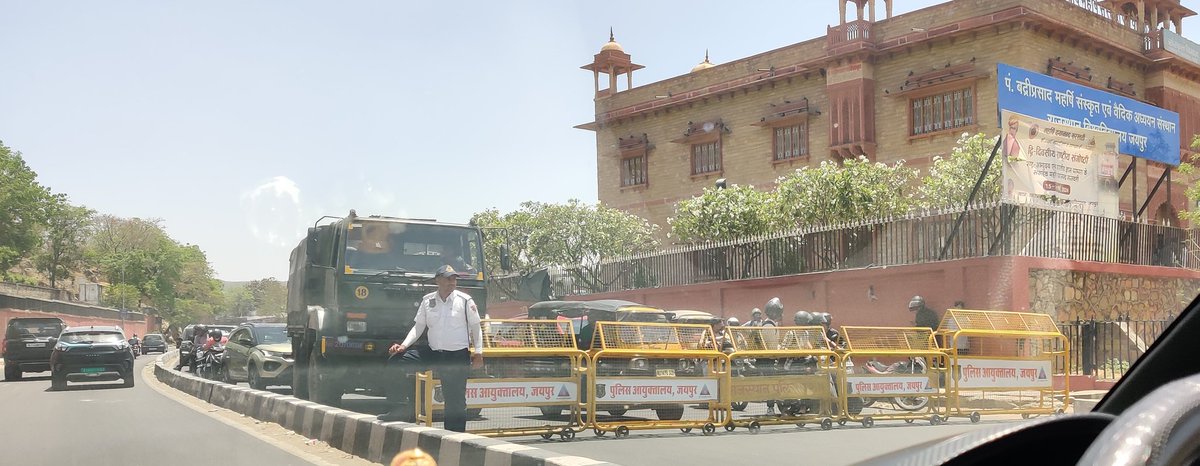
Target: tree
{"x": 854, "y": 191}
{"x": 23, "y": 204}
{"x": 577, "y": 236}
{"x": 268, "y": 297}
{"x": 66, "y": 230}
{"x": 582, "y": 237}
{"x": 1187, "y": 169}
{"x": 951, "y": 179}
{"x": 725, "y": 214}
{"x": 728, "y": 214}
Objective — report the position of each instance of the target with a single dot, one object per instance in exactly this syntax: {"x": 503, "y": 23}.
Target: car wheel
{"x": 255, "y": 381}
{"x": 57, "y": 383}
{"x": 551, "y": 411}
{"x": 225, "y": 377}
{"x": 12, "y": 373}
{"x": 673, "y": 413}
{"x": 128, "y": 380}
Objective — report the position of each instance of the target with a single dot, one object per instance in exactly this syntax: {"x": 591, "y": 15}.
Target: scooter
{"x": 912, "y": 365}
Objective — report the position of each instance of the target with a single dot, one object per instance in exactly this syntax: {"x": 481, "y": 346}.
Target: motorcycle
{"x": 187, "y": 352}
{"x": 212, "y": 362}
{"x": 912, "y": 365}
{"x": 135, "y": 346}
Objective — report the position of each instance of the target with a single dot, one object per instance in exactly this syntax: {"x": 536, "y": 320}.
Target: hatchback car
{"x": 259, "y": 354}
{"x": 154, "y": 343}
{"x": 90, "y": 354}
{"x": 27, "y": 344}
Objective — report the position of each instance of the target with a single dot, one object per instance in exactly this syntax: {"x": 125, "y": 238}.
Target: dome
{"x": 612, "y": 43}
{"x": 704, "y": 65}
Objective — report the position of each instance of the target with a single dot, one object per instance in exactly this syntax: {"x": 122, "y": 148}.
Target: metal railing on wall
{"x": 988, "y": 230}
{"x": 1105, "y": 349}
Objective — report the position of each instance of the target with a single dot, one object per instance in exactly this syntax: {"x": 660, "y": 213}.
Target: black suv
{"x": 153, "y": 343}
{"x": 91, "y": 354}
{"x": 27, "y": 344}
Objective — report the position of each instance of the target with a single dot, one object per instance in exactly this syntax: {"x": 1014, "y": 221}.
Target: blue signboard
{"x": 1144, "y": 130}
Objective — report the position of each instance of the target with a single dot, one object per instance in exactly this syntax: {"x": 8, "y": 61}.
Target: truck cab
{"x": 354, "y": 288}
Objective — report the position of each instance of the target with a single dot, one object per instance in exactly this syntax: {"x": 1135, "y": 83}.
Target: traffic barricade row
{"x": 538, "y": 380}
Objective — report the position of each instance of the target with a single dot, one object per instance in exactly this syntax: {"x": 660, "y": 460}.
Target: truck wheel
{"x": 325, "y": 392}
{"x": 12, "y": 372}
{"x": 673, "y": 413}
{"x": 300, "y": 374}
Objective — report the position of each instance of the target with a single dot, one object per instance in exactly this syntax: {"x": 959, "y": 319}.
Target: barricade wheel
{"x": 755, "y": 427}
{"x": 800, "y": 425}
{"x": 567, "y": 434}
{"x": 868, "y": 422}
{"x": 1058, "y": 412}
{"x": 599, "y": 433}
{"x": 841, "y": 422}
{"x": 729, "y": 427}
{"x": 910, "y": 421}
{"x": 974, "y": 417}
{"x": 1024, "y": 415}
{"x": 826, "y": 424}
{"x": 709, "y": 429}
{"x": 686, "y": 430}
{"x": 622, "y": 431}
{"x": 547, "y": 436}
{"x": 935, "y": 420}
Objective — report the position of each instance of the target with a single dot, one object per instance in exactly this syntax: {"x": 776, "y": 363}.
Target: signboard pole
{"x": 970, "y": 199}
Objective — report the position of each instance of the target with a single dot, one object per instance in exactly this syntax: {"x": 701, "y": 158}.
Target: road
{"x": 102, "y": 423}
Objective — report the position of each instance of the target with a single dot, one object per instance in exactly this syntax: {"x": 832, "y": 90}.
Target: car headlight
{"x": 356, "y": 326}
{"x": 61, "y": 347}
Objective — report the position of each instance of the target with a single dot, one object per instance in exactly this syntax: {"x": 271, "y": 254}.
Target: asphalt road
{"x": 102, "y": 423}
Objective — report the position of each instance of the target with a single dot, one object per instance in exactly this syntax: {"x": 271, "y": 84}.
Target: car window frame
{"x": 234, "y": 337}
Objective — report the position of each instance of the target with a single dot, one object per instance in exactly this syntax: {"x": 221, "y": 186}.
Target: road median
{"x": 358, "y": 434}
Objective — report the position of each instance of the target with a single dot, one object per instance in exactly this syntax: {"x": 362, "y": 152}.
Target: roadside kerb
{"x": 359, "y": 434}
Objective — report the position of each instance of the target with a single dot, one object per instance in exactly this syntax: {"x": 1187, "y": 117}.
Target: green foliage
{"x": 265, "y": 297}
{"x": 725, "y": 214}
{"x": 951, "y": 179}
{"x": 1187, "y": 169}
{"x": 574, "y": 234}
{"x": 67, "y": 228}
{"x": 856, "y": 190}
{"x": 1114, "y": 367}
{"x": 23, "y": 205}
{"x": 122, "y": 296}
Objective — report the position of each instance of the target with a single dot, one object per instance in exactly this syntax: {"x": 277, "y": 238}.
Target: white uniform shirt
{"x": 452, "y": 323}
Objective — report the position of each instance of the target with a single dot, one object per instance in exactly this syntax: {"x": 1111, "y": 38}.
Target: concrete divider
{"x": 361, "y": 435}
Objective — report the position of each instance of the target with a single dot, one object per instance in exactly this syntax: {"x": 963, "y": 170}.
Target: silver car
{"x": 259, "y": 354}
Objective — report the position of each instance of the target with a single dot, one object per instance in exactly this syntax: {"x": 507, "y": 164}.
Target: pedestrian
{"x": 450, "y": 320}
{"x": 925, "y": 317}
{"x": 774, "y": 311}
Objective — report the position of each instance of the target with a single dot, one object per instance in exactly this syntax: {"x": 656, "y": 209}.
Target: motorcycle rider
{"x": 188, "y": 356}
{"x": 925, "y": 317}
{"x": 756, "y": 318}
{"x": 136, "y": 345}
{"x": 213, "y": 342}
{"x": 774, "y": 311}
{"x": 733, "y": 322}
{"x": 831, "y": 334}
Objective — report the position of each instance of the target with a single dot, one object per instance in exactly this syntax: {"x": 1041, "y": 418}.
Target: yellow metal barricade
{"x": 782, "y": 375}
{"x": 656, "y": 376}
{"x": 1004, "y": 363}
{"x": 891, "y": 373}
{"x": 530, "y": 383}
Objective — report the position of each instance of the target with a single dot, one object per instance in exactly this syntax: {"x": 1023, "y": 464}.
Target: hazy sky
{"x": 240, "y": 123}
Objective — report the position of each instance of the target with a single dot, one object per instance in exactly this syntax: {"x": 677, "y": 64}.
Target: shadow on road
{"x": 26, "y": 378}
{"x": 89, "y": 386}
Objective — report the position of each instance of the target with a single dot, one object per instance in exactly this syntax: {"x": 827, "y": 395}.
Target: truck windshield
{"x": 373, "y": 246}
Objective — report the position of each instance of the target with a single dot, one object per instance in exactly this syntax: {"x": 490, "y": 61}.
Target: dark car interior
{"x": 1151, "y": 416}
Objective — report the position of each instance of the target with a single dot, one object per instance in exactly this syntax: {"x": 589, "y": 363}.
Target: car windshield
{"x": 152, "y": 339}
{"x": 34, "y": 328}
{"x": 411, "y": 247}
{"x": 272, "y": 335}
{"x": 91, "y": 337}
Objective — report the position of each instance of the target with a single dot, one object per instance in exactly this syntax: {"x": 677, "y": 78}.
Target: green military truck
{"x": 354, "y": 286}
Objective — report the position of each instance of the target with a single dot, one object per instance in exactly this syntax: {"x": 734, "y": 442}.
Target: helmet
{"x": 916, "y": 302}
{"x": 756, "y": 311}
{"x": 733, "y": 322}
{"x": 215, "y": 333}
{"x": 823, "y": 318}
{"x": 199, "y": 328}
{"x": 774, "y": 308}
{"x": 803, "y": 318}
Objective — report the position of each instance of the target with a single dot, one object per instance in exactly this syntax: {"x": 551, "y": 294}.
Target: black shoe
{"x": 397, "y": 415}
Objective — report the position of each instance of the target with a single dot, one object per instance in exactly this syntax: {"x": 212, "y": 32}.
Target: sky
{"x": 240, "y": 123}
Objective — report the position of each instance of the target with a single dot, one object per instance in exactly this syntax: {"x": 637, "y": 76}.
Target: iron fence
{"x": 1106, "y": 349}
{"x": 989, "y": 230}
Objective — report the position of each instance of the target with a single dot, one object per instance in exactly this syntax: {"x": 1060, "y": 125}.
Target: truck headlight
{"x": 356, "y": 326}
